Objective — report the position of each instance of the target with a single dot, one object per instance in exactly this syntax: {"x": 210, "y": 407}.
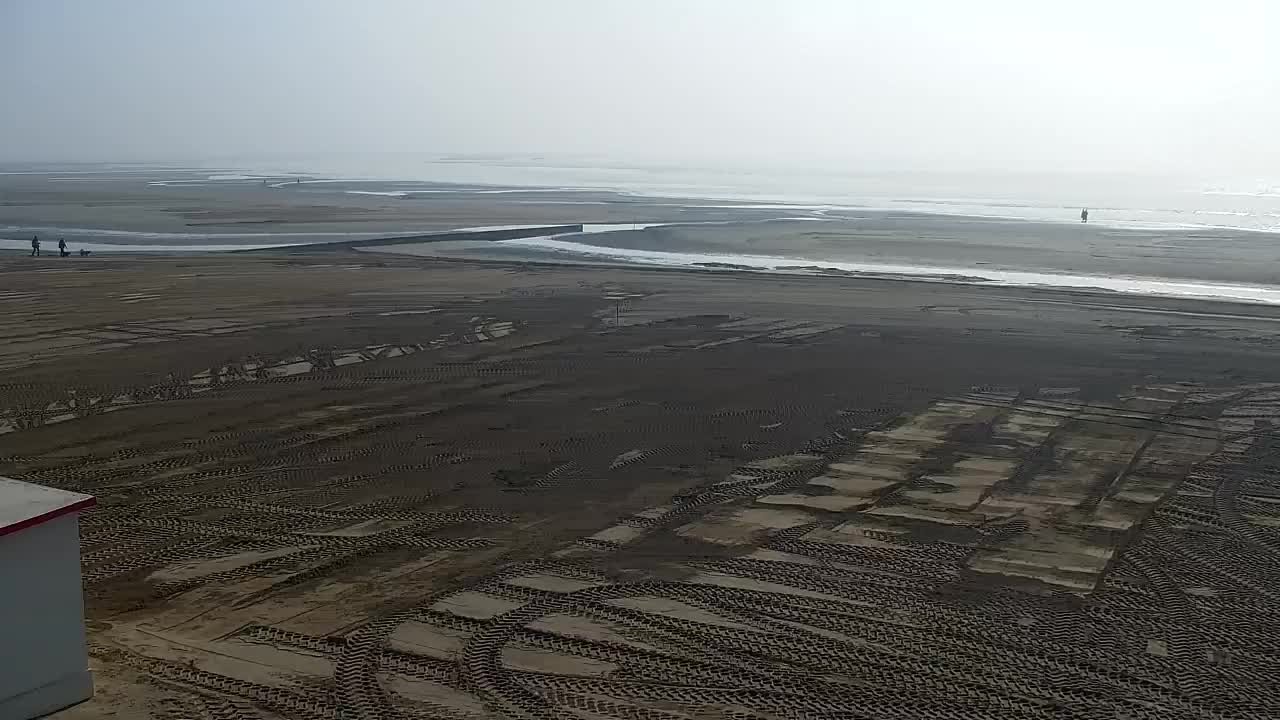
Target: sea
{"x": 1122, "y": 199}
{"x": 1114, "y": 199}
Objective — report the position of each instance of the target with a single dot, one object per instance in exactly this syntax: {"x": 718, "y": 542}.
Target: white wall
{"x": 41, "y": 619}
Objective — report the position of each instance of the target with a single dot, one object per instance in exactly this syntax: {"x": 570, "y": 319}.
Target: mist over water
{"x": 1118, "y": 199}
{"x": 1148, "y": 112}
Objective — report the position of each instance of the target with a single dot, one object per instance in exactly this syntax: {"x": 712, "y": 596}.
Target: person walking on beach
{"x": 62, "y": 247}
{"x": 35, "y": 246}
{"x": 1084, "y": 215}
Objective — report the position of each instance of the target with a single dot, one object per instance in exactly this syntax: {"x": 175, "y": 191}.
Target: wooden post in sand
{"x": 617, "y": 299}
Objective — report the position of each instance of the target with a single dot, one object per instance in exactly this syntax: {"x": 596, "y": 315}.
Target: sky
{"x": 1163, "y": 87}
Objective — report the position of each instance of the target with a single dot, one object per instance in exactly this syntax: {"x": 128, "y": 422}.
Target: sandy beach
{"x": 164, "y": 207}
{"x": 198, "y": 210}
{"x": 346, "y": 484}
{"x": 901, "y": 360}
{"x": 980, "y": 244}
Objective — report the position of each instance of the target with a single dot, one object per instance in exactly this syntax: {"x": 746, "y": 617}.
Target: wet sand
{"x": 131, "y": 207}
{"x": 168, "y": 210}
{"x": 357, "y": 485}
{"x": 922, "y": 241}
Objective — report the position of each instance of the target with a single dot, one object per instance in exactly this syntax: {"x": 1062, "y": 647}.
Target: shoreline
{"x": 1194, "y": 306}
{"x": 206, "y": 211}
{"x": 637, "y": 248}
{"x": 903, "y": 197}
{"x": 1122, "y": 200}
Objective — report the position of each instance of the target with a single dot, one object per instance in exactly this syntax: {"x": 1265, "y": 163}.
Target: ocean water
{"x": 1120, "y": 200}
{"x": 1116, "y": 199}
{"x": 578, "y": 246}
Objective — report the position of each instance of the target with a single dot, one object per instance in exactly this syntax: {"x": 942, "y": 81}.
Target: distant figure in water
{"x": 1084, "y": 215}
{"x": 62, "y": 247}
{"x": 35, "y": 246}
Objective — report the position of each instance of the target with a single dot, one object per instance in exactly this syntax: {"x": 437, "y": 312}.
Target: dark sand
{"x": 373, "y": 486}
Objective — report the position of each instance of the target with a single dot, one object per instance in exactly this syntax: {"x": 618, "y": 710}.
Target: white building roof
{"x": 23, "y": 504}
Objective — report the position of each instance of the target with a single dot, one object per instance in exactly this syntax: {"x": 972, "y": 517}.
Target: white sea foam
{"x": 593, "y": 228}
{"x": 505, "y": 191}
{"x": 216, "y": 179}
{"x": 485, "y": 228}
{"x": 614, "y": 227}
{"x": 1163, "y": 287}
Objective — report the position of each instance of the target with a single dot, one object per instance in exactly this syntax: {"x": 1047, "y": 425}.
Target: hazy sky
{"x": 1164, "y": 85}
